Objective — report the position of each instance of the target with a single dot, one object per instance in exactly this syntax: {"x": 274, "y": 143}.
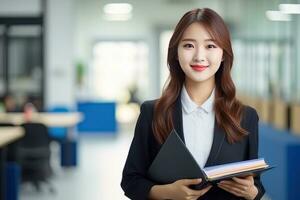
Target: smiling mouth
{"x": 199, "y": 67}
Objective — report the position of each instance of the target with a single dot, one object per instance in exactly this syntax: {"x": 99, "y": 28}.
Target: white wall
{"x": 59, "y": 53}
{"x": 297, "y": 55}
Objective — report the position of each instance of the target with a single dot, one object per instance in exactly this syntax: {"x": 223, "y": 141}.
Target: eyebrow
{"x": 193, "y": 40}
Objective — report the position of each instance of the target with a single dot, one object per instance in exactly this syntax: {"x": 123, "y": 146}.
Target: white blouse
{"x": 198, "y": 126}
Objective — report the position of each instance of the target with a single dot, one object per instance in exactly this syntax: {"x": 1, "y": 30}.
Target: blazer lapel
{"x": 218, "y": 140}
{"x": 177, "y": 118}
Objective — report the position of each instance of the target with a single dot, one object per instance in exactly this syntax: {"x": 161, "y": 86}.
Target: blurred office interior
{"x": 81, "y": 68}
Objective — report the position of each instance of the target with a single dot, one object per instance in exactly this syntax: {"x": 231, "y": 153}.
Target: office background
{"x": 84, "y": 56}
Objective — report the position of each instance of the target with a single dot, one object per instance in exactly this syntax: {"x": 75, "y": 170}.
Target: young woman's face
{"x": 198, "y": 54}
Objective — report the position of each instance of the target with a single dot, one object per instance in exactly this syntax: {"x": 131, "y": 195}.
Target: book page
{"x": 232, "y": 168}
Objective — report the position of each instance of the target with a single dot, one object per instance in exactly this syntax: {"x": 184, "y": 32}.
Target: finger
{"x": 193, "y": 197}
{"x": 234, "y": 184}
{"x": 206, "y": 189}
{"x": 244, "y": 181}
{"x": 236, "y": 188}
{"x": 231, "y": 190}
{"x": 228, "y": 190}
{"x": 187, "y": 182}
{"x": 191, "y": 192}
{"x": 229, "y": 182}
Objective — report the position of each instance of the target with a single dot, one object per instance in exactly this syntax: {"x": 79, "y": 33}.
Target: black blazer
{"x": 144, "y": 148}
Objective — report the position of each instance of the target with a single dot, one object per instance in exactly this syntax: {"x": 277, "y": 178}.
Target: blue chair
{"x": 68, "y": 157}
{"x": 58, "y": 133}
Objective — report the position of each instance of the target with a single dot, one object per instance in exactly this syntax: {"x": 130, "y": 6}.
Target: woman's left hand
{"x": 241, "y": 187}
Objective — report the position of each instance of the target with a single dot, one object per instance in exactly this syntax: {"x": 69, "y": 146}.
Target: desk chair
{"x": 58, "y": 134}
{"x": 34, "y": 155}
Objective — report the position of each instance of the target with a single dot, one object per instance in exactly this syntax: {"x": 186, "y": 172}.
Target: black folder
{"x": 174, "y": 162}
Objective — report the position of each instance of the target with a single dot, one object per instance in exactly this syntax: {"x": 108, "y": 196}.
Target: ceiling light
{"x": 277, "y": 16}
{"x": 115, "y": 17}
{"x": 290, "y": 8}
{"x": 117, "y": 8}
{"x": 117, "y": 11}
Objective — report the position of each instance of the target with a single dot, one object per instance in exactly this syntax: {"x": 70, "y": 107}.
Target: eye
{"x": 188, "y": 45}
{"x": 211, "y": 46}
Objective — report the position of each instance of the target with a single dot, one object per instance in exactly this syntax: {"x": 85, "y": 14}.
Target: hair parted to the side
{"x": 228, "y": 109}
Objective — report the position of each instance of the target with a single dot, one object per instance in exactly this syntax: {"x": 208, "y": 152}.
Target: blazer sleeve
{"x": 134, "y": 181}
{"x": 253, "y": 150}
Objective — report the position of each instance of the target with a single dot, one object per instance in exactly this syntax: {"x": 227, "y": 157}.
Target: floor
{"x": 98, "y": 175}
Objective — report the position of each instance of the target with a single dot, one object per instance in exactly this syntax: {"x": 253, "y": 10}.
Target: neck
{"x": 199, "y": 92}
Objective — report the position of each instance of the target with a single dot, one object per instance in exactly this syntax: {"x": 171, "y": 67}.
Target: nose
{"x": 200, "y": 55}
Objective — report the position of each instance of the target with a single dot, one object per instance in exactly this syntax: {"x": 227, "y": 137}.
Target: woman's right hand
{"x": 180, "y": 189}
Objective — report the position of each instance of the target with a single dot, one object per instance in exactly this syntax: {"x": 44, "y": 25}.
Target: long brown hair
{"x": 228, "y": 109}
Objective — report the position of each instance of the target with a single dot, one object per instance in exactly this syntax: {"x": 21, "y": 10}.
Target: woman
{"x": 199, "y": 102}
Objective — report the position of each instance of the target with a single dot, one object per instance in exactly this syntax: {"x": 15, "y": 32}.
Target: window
{"x": 120, "y": 68}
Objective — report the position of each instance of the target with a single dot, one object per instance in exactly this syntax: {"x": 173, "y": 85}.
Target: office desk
{"x": 7, "y": 135}
{"x": 67, "y": 120}
{"x": 10, "y": 134}
{"x": 49, "y": 119}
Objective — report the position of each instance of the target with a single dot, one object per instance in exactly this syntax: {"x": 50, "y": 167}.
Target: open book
{"x": 236, "y": 169}
{"x": 174, "y": 162}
